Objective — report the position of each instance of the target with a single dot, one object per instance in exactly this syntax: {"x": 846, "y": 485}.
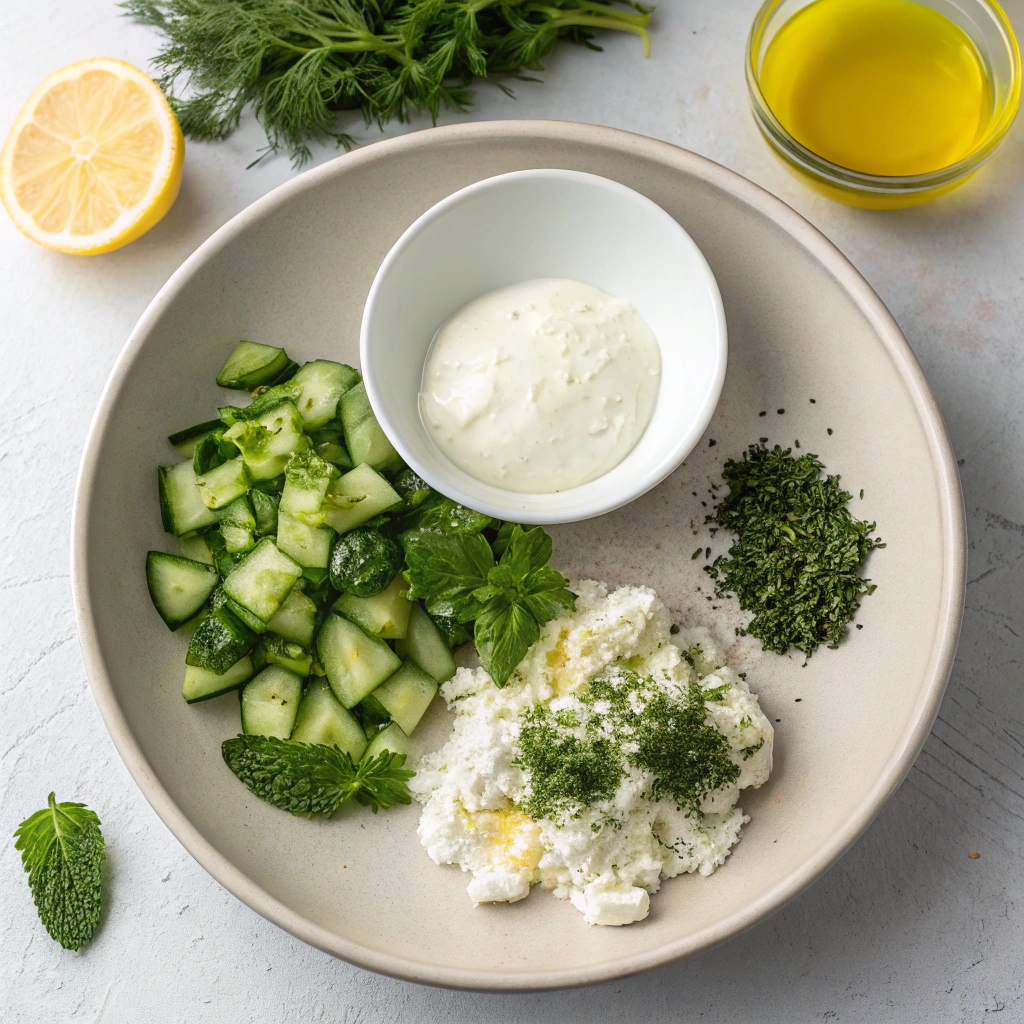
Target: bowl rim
{"x": 862, "y": 182}
{"x": 905, "y": 751}
{"x": 671, "y": 454}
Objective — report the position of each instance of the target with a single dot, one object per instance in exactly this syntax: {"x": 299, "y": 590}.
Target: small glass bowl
{"x": 988, "y": 27}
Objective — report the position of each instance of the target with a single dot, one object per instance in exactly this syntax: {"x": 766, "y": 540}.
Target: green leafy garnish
{"x": 62, "y": 851}
{"x": 798, "y": 550}
{"x": 300, "y": 62}
{"x": 314, "y": 778}
{"x": 456, "y": 576}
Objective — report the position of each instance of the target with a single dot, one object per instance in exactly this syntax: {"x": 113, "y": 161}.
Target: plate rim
{"x": 954, "y": 545}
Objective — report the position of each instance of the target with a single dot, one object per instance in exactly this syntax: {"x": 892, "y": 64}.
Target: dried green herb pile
{"x": 300, "y": 62}
{"x": 798, "y": 551}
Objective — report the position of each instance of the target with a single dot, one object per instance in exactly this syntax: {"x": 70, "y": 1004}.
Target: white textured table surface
{"x": 905, "y": 927}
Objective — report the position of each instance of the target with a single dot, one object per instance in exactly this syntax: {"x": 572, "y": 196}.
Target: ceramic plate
{"x": 294, "y": 269}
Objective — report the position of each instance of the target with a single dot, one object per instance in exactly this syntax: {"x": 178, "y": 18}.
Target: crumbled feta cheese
{"x": 609, "y": 856}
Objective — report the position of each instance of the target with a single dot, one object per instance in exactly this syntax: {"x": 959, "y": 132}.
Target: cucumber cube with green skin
{"x": 260, "y": 582}
{"x": 267, "y": 441}
{"x": 322, "y": 382}
{"x": 321, "y": 719}
{"x": 406, "y": 695}
{"x": 196, "y": 548}
{"x": 373, "y": 715}
{"x": 179, "y": 587}
{"x": 238, "y": 526}
{"x": 182, "y": 508}
{"x": 364, "y": 438}
{"x": 306, "y": 478}
{"x": 270, "y": 703}
{"x": 390, "y": 739}
{"x": 310, "y": 546}
{"x": 251, "y": 365}
{"x": 219, "y": 641}
{"x": 425, "y": 645}
{"x": 275, "y": 650}
{"x": 221, "y": 486}
{"x": 265, "y": 509}
{"x": 202, "y": 683}
{"x": 334, "y": 453}
{"x": 385, "y": 614}
{"x": 355, "y": 662}
{"x": 185, "y": 441}
{"x": 356, "y": 497}
{"x": 295, "y": 620}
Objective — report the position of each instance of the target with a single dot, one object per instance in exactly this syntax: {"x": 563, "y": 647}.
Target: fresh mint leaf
{"x": 62, "y": 851}
{"x": 501, "y": 541}
{"x": 546, "y": 595}
{"x": 444, "y": 570}
{"x": 447, "y": 516}
{"x": 504, "y": 632}
{"x": 315, "y": 778}
{"x": 455, "y": 575}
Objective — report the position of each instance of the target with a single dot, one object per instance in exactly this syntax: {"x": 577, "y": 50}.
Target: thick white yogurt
{"x": 541, "y": 386}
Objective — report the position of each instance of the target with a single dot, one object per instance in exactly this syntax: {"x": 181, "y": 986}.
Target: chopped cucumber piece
{"x": 425, "y": 645}
{"x": 391, "y": 739}
{"x": 365, "y": 440}
{"x": 219, "y": 641}
{"x": 334, "y": 453}
{"x": 310, "y": 546}
{"x": 267, "y": 441}
{"x": 238, "y": 526}
{"x": 196, "y": 548}
{"x": 385, "y": 614}
{"x": 373, "y": 715}
{"x": 181, "y": 506}
{"x": 406, "y": 695}
{"x": 275, "y": 650}
{"x": 185, "y": 441}
{"x": 323, "y": 382}
{"x": 355, "y": 662}
{"x": 354, "y": 498}
{"x": 295, "y": 619}
{"x": 322, "y": 719}
{"x": 265, "y": 509}
{"x": 260, "y": 582}
{"x": 202, "y": 684}
{"x": 365, "y": 561}
{"x": 267, "y": 400}
{"x": 251, "y": 366}
{"x": 179, "y": 587}
{"x": 270, "y": 703}
{"x": 306, "y": 478}
{"x": 413, "y": 489}
{"x": 219, "y": 487}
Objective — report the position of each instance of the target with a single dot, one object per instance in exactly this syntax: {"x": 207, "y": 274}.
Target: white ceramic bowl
{"x": 542, "y": 224}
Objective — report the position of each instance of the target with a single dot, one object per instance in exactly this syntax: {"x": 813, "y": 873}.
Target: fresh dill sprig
{"x": 796, "y": 559}
{"x": 315, "y": 778}
{"x": 298, "y": 63}
{"x": 62, "y": 851}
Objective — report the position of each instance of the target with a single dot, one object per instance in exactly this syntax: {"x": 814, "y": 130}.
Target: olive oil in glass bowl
{"x": 883, "y": 103}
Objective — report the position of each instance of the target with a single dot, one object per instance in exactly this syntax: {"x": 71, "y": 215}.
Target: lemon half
{"x": 93, "y": 159}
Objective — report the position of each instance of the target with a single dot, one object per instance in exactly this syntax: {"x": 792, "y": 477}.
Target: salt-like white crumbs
{"x": 611, "y": 855}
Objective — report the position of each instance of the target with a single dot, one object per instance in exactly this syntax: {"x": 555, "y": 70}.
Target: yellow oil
{"x": 886, "y": 87}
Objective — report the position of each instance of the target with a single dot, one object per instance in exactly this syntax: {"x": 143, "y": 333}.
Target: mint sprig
{"x": 62, "y": 851}
{"x": 315, "y": 778}
{"x": 508, "y": 601}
